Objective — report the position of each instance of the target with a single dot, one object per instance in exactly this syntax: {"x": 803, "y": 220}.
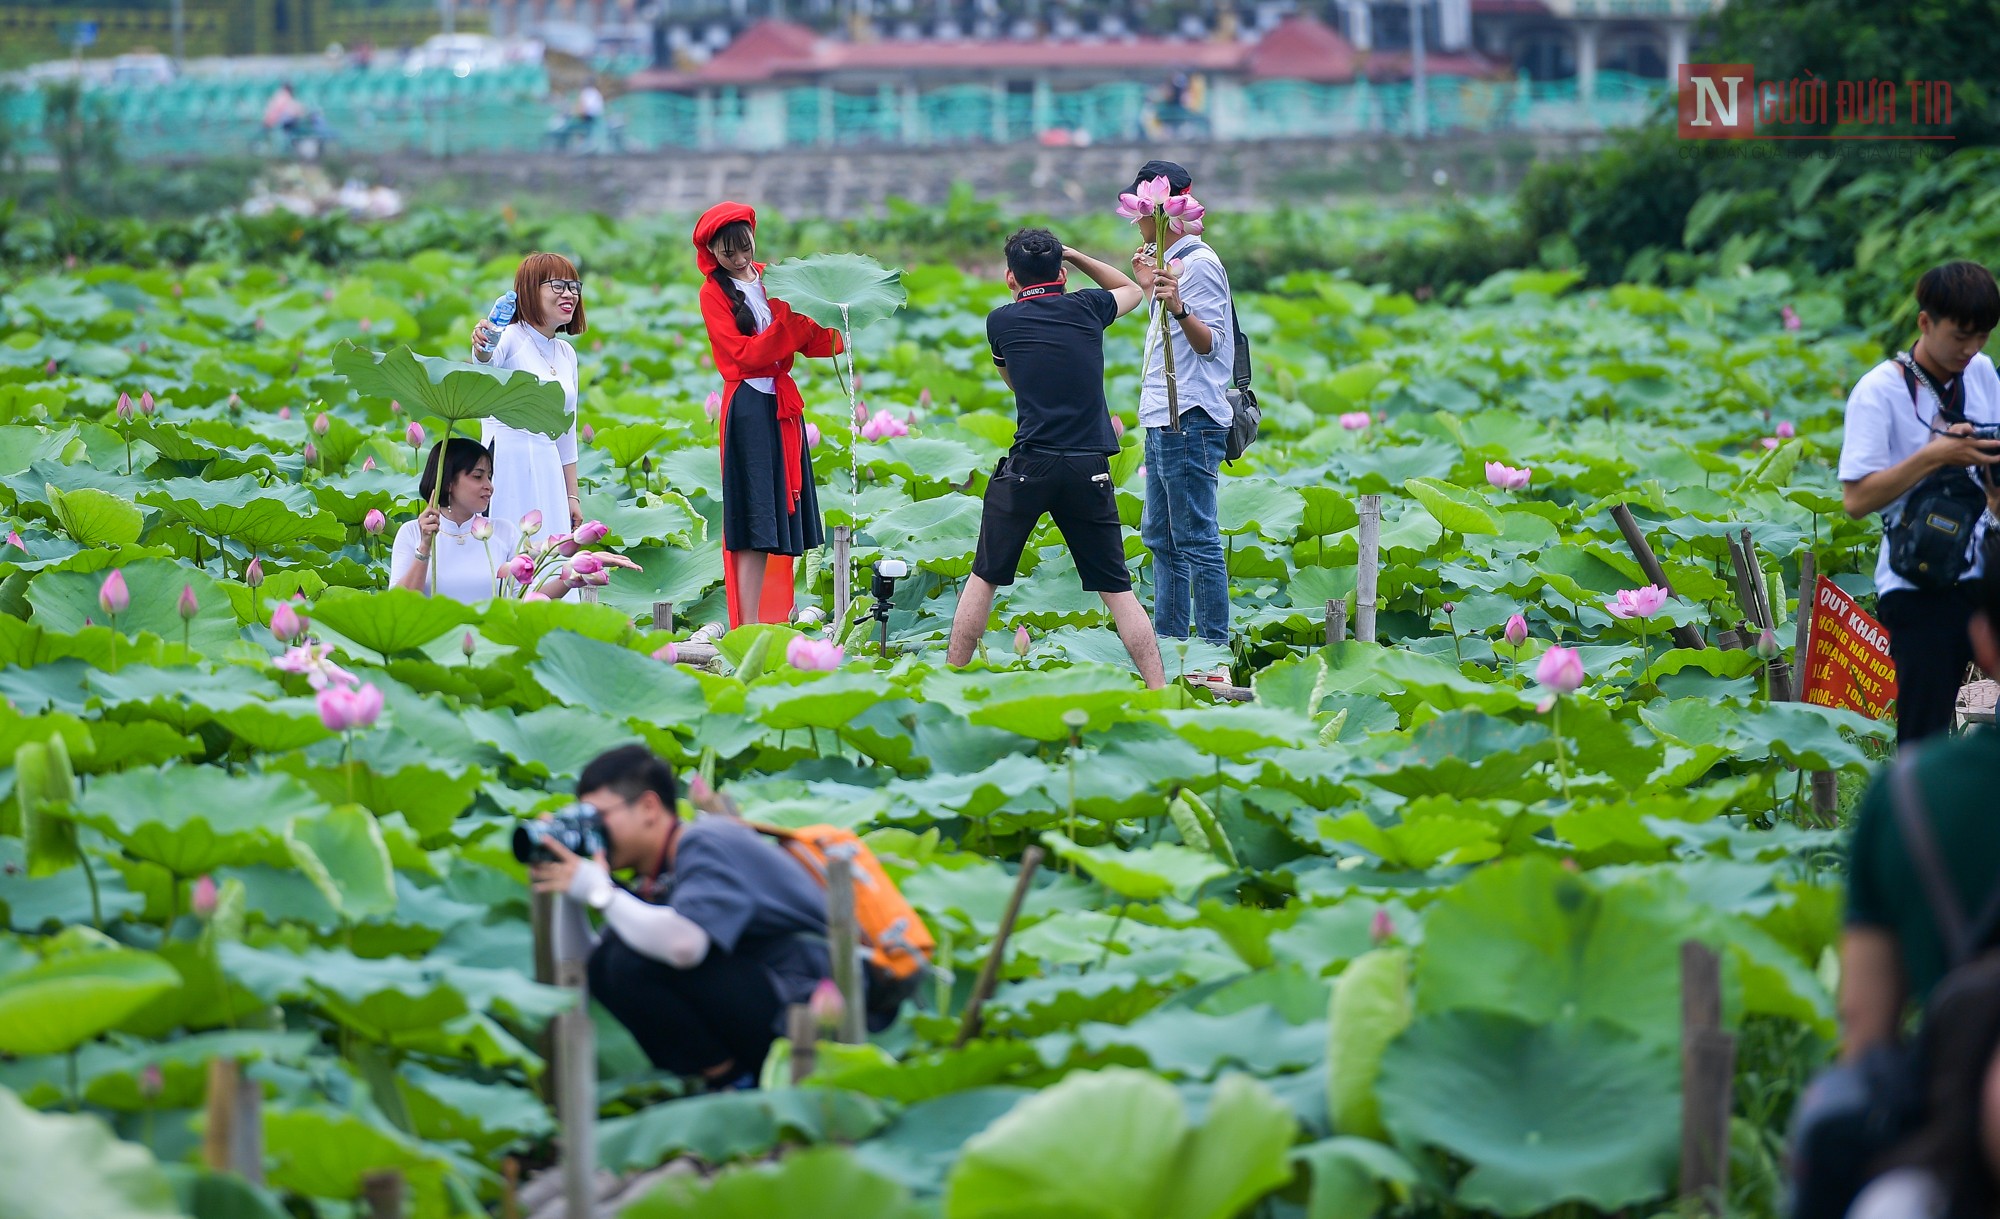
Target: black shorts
{"x": 1077, "y": 493}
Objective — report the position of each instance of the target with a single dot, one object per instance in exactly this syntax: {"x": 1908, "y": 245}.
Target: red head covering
{"x": 713, "y": 221}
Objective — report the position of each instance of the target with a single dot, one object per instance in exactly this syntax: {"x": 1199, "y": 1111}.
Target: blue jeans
{"x": 1183, "y": 470}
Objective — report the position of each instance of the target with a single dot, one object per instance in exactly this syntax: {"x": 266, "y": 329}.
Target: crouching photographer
{"x": 717, "y": 934}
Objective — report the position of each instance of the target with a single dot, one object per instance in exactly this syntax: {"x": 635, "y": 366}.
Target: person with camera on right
{"x": 718, "y": 933}
{"x": 1919, "y": 447}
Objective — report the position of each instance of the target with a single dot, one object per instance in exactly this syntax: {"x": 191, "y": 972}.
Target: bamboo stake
{"x": 803, "y": 1032}
{"x": 1336, "y": 621}
{"x": 1366, "y": 572}
{"x": 843, "y": 575}
{"x": 382, "y": 1194}
{"x": 989, "y": 974}
{"x": 1708, "y": 1065}
{"x": 842, "y": 942}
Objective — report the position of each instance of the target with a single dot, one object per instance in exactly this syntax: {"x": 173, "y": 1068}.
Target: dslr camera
{"x": 580, "y": 828}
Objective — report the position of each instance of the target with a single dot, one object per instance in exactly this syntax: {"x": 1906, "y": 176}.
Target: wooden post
{"x": 1708, "y": 1073}
{"x": 803, "y": 1031}
{"x": 663, "y": 616}
{"x": 510, "y": 1188}
{"x": 843, "y": 576}
{"x": 1336, "y": 622}
{"x": 1746, "y": 597}
{"x": 1802, "y": 628}
{"x": 1367, "y": 565}
{"x": 1649, "y": 563}
{"x": 541, "y": 921}
{"x": 382, "y": 1194}
{"x": 989, "y": 974}
{"x": 842, "y": 943}
{"x": 575, "y": 1087}
{"x": 233, "y": 1140}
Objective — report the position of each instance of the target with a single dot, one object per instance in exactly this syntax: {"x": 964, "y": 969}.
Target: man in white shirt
{"x": 1913, "y": 419}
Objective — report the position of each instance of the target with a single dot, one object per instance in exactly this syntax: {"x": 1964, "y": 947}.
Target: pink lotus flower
{"x": 1141, "y": 471}
{"x": 1145, "y": 199}
{"x": 536, "y": 596}
{"x": 125, "y": 408}
{"x": 14, "y": 540}
{"x": 712, "y": 407}
{"x": 345, "y": 708}
{"x": 49, "y": 369}
{"x": 286, "y": 623}
{"x": 667, "y": 652}
{"x": 1117, "y": 427}
{"x": 1767, "y": 646}
{"x": 365, "y": 325}
{"x": 531, "y": 524}
{"x": 1637, "y": 602}
{"x": 482, "y": 528}
{"x": 1354, "y": 421}
{"x": 1381, "y": 928}
{"x": 590, "y": 533}
{"x": 521, "y": 568}
{"x": 1023, "y": 642}
{"x": 589, "y": 433}
{"x": 253, "y": 575}
{"x": 1790, "y": 317}
{"x": 204, "y": 897}
{"x": 321, "y": 424}
{"x": 1770, "y": 442}
{"x": 804, "y": 653}
{"x": 113, "y": 596}
{"x": 374, "y": 522}
{"x": 468, "y": 645}
{"x": 1506, "y": 477}
{"x": 1560, "y": 670}
{"x": 1187, "y": 218}
{"x": 812, "y": 435}
{"x": 1517, "y": 630}
{"x": 284, "y": 412}
{"x": 187, "y": 607}
{"x": 367, "y": 464}
{"x": 828, "y": 1005}
{"x": 582, "y": 567}
{"x": 884, "y": 426}
{"x": 1786, "y": 430}
{"x": 563, "y": 544}
{"x": 414, "y": 435}
{"x": 315, "y": 661}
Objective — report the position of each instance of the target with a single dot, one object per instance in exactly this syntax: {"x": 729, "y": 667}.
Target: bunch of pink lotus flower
{"x": 884, "y": 426}
{"x": 528, "y": 566}
{"x": 1157, "y": 198}
{"x": 806, "y": 653}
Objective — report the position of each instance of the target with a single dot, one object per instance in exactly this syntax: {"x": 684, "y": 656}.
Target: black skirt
{"x": 756, "y": 513}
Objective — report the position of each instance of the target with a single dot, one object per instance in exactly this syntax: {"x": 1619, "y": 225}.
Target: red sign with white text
{"x": 1847, "y": 661}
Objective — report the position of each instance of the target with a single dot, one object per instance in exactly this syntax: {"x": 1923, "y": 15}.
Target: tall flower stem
{"x": 1562, "y": 755}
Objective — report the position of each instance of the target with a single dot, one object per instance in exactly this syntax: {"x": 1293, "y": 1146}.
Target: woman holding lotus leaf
{"x": 770, "y": 507}
{"x": 477, "y": 557}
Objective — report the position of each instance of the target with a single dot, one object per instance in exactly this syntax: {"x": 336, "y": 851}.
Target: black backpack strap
{"x": 1240, "y": 372}
{"x": 1913, "y": 819}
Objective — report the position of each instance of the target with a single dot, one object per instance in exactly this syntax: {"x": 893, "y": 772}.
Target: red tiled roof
{"x": 1298, "y": 48}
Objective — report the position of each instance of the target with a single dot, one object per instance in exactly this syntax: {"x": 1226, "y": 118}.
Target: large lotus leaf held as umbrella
{"x": 454, "y": 390}
{"x": 841, "y": 291}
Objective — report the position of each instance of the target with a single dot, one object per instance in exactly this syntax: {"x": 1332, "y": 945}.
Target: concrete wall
{"x": 1230, "y": 177}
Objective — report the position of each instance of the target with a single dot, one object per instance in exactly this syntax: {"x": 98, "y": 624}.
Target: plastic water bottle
{"x": 501, "y": 317}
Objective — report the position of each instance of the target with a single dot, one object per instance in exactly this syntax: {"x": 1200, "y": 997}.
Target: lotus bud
{"x": 49, "y": 369}
{"x": 1023, "y": 642}
{"x": 1770, "y": 442}
{"x": 534, "y": 596}
{"x": 125, "y": 408}
{"x": 667, "y": 652}
{"x": 311, "y": 453}
{"x": 253, "y": 575}
{"x": 113, "y": 596}
{"x": 203, "y": 901}
{"x": 14, "y": 540}
{"x": 286, "y": 623}
{"x": 284, "y": 412}
{"x": 597, "y": 345}
{"x": 521, "y": 567}
{"x": 1517, "y": 630}
{"x": 589, "y": 434}
{"x": 365, "y": 325}
{"x": 924, "y": 398}
{"x": 1354, "y": 421}
{"x": 414, "y": 435}
{"x": 1449, "y": 607}
{"x": 860, "y": 412}
{"x": 1560, "y": 669}
{"x": 258, "y": 325}
{"x": 187, "y": 607}
{"x": 1786, "y": 430}
{"x": 828, "y": 1005}
{"x": 235, "y": 401}
{"x": 151, "y": 1080}
{"x": 590, "y": 533}
{"x": 468, "y": 645}
{"x": 146, "y": 402}
{"x": 712, "y": 407}
{"x": 1767, "y": 646}
{"x": 531, "y": 524}
{"x": 1117, "y": 427}
{"x": 1381, "y": 928}
{"x": 482, "y": 528}
{"x": 374, "y": 522}
{"x": 321, "y": 424}
{"x": 395, "y": 407}
{"x": 812, "y": 435}
{"x": 177, "y": 289}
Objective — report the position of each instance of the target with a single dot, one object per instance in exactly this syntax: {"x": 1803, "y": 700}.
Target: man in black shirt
{"x": 1049, "y": 347}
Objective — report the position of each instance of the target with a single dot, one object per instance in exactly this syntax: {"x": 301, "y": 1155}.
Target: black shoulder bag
{"x": 1930, "y": 542}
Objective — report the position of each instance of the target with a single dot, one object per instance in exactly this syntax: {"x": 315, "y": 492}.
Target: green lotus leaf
{"x": 1459, "y": 510}
{"x": 66, "y": 600}
{"x": 390, "y": 621}
{"x": 922, "y": 1144}
{"x": 1032, "y": 704}
{"x": 626, "y": 443}
{"x": 1574, "y": 1111}
{"x": 84, "y": 986}
{"x": 58, "y": 1164}
{"x": 33, "y": 903}
{"x": 922, "y": 459}
{"x": 794, "y": 700}
{"x": 729, "y": 1126}
{"x": 326, "y": 1153}
{"x": 456, "y": 391}
{"x": 279, "y": 726}
{"x": 825, "y": 1182}
{"x": 342, "y": 852}
{"x": 1369, "y": 1007}
{"x": 96, "y": 518}
{"x": 245, "y": 511}
{"x": 429, "y": 797}
{"x": 1143, "y": 873}
{"x": 1190, "y": 1044}
{"x": 1259, "y": 506}
{"x": 1349, "y": 1176}
{"x": 845, "y": 292}
{"x": 1117, "y": 1144}
{"x": 1238, "y": 731}
{"x": 617, "y": 681}
{"x": 194, "y": 819}
{"x": 488, "y": 1116}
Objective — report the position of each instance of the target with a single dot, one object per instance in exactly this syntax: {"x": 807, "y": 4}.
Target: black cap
{"x": 1178, "y": 178}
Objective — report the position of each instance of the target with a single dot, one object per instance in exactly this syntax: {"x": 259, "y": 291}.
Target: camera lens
{"x": 527, "y": 837}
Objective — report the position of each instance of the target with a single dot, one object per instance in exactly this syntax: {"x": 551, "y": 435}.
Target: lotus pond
{"x": 1392, "y": 936}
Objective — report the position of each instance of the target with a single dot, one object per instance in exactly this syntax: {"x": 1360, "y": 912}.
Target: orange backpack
{"x": 898, "y": 943}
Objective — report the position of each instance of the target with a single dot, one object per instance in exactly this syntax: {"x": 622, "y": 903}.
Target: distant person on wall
{"x": 285, "y": 112}
{"x": 531, "y": 472}
{"x": 1912, "y": 451}
{"x": 1049, "y": 347}
{"x": 1186, "y": 281}
{"x": 770, "y": 508}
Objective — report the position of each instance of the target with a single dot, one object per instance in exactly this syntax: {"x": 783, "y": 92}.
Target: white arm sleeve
{"x": 566, "y": 444}
{"x": 658, "y": 932}
{"x": 404, "y": 556}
